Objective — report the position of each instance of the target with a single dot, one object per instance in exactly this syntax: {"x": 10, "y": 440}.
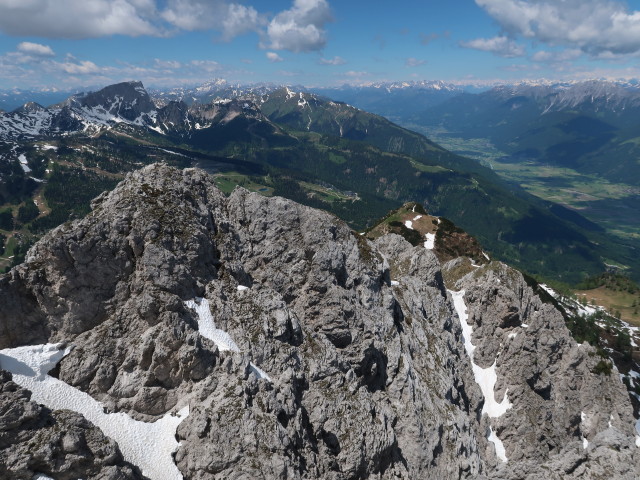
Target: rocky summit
{"x": 175, "y": 333}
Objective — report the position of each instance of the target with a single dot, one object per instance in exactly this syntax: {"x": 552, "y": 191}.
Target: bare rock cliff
{"x": 305, "y": 351}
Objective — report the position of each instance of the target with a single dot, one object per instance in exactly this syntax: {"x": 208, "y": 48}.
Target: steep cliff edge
{"x": 290, "y": 347}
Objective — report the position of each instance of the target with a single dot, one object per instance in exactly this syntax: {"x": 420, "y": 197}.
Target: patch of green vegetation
{"x": 10, "y": 247}
{"x": 229, "y": 180}
{"x": 6, "y": 220}
{"x": 613, "y": 281}
{"x": 15, "y": 251}
{"x": 68, "y": 193}
{"x": 337, "y": 159}
{"x": 27, "y": 212}
{"x": 326, "y": 193}
{"x": 428, "y": 168}
{"x": 603, "y": 367}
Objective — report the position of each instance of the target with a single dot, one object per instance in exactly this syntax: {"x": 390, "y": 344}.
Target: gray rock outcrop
{"x": 60, "y": 444}
{"x": 350, "y": 360}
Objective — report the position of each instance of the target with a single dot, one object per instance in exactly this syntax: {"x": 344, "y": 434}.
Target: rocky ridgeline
{"x": 302, "y": 349}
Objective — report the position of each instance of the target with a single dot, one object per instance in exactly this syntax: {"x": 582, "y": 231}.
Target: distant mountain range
{"x": 15, "y": 98}
{"x": 304, "y": 146}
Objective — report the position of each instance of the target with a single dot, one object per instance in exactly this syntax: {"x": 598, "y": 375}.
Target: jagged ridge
{"x": 351, "y": 360}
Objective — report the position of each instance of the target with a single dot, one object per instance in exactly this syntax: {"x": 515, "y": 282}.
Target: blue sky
{"x": 75, "y": 43}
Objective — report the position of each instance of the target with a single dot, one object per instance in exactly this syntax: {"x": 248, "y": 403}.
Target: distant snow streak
{"x": 207, "y": 327}
{"x": 485, "y": 377}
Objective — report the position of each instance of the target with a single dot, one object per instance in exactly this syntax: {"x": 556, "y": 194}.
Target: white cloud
{"x": 567, "y": 55}
{"x": 332, "y": 61}
{"x": 231, "y": 18}
{"x": 594, "y": 26}
{"x": 502, "y": 46}
{"x": 239, "y": 20}
{"x": 208, "y": 66}
{"x": 84, "y": 67}
{"x": 167, "y": 64}
{"x": 414, "y": 62}
{"x": 36, "y": 49}
{"x": 77, "y": 18}
{"x": 274, "y": 57}
{"x": 301, "y": 28}
{"x": 98, "y": 18}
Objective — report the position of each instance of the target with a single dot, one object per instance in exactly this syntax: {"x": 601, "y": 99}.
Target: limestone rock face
{"x": 307, "y": 351}
{"x": 62, "y": 444}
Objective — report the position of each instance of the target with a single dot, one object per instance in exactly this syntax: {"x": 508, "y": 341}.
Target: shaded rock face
{"x": 61, "y": 444}
{"x": 128, "y": 100}
{"x": 351, "y": 360}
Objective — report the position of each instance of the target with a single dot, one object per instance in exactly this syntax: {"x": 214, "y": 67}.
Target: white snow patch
{"x": 23, "y": 163}
{"x": 513, "y": 335}
{"x": 394, "y": 283}
{"x": 524, "y": 325}
{"x": 638, "y": 433}
{"x": 207, "y": 327}
{"x": 549, "y": 290}
{"x": 408, "y": 224}
{"x": 486, "y": 256}
{"x": 48, "y": 147}
{"x": 242, "y": 288}
{"x": 500, "y": 451}
{"x": 148, "y": 445}
{"x": 174, "y": 153}
{"x": 418, "y": 217}
{"x": 485, "y": 377}
{"x": 431, "y": 241}
{"x": 41, "y": 476}
{"x": 585, "y": 443}
{"x": 261, "y": 374}
{"x": 222, "y": 339}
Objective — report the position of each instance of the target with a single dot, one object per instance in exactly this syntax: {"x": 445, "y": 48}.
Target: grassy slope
{"x": 322, "y": 170}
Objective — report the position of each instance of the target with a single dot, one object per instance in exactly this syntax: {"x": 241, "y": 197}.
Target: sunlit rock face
{"x": 265, "y": 339}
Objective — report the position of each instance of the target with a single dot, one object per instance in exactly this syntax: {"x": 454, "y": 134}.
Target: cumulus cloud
{"x": 35, "y": 49}
{"x": 77, "y": 18}
{"x": 84, "y": 67}
{"x": 274, "y": 57}
{"x": 414, "y": 62}
{"x": 501, "y": 46}
{"x": 231, "y": 18}
{"x": 596, "y": 27}
{"x": 239, "y": 20}
{"x": 332, "y": 61}
{"x": 98, "y": 18}
{"x": 301, "y": 28}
